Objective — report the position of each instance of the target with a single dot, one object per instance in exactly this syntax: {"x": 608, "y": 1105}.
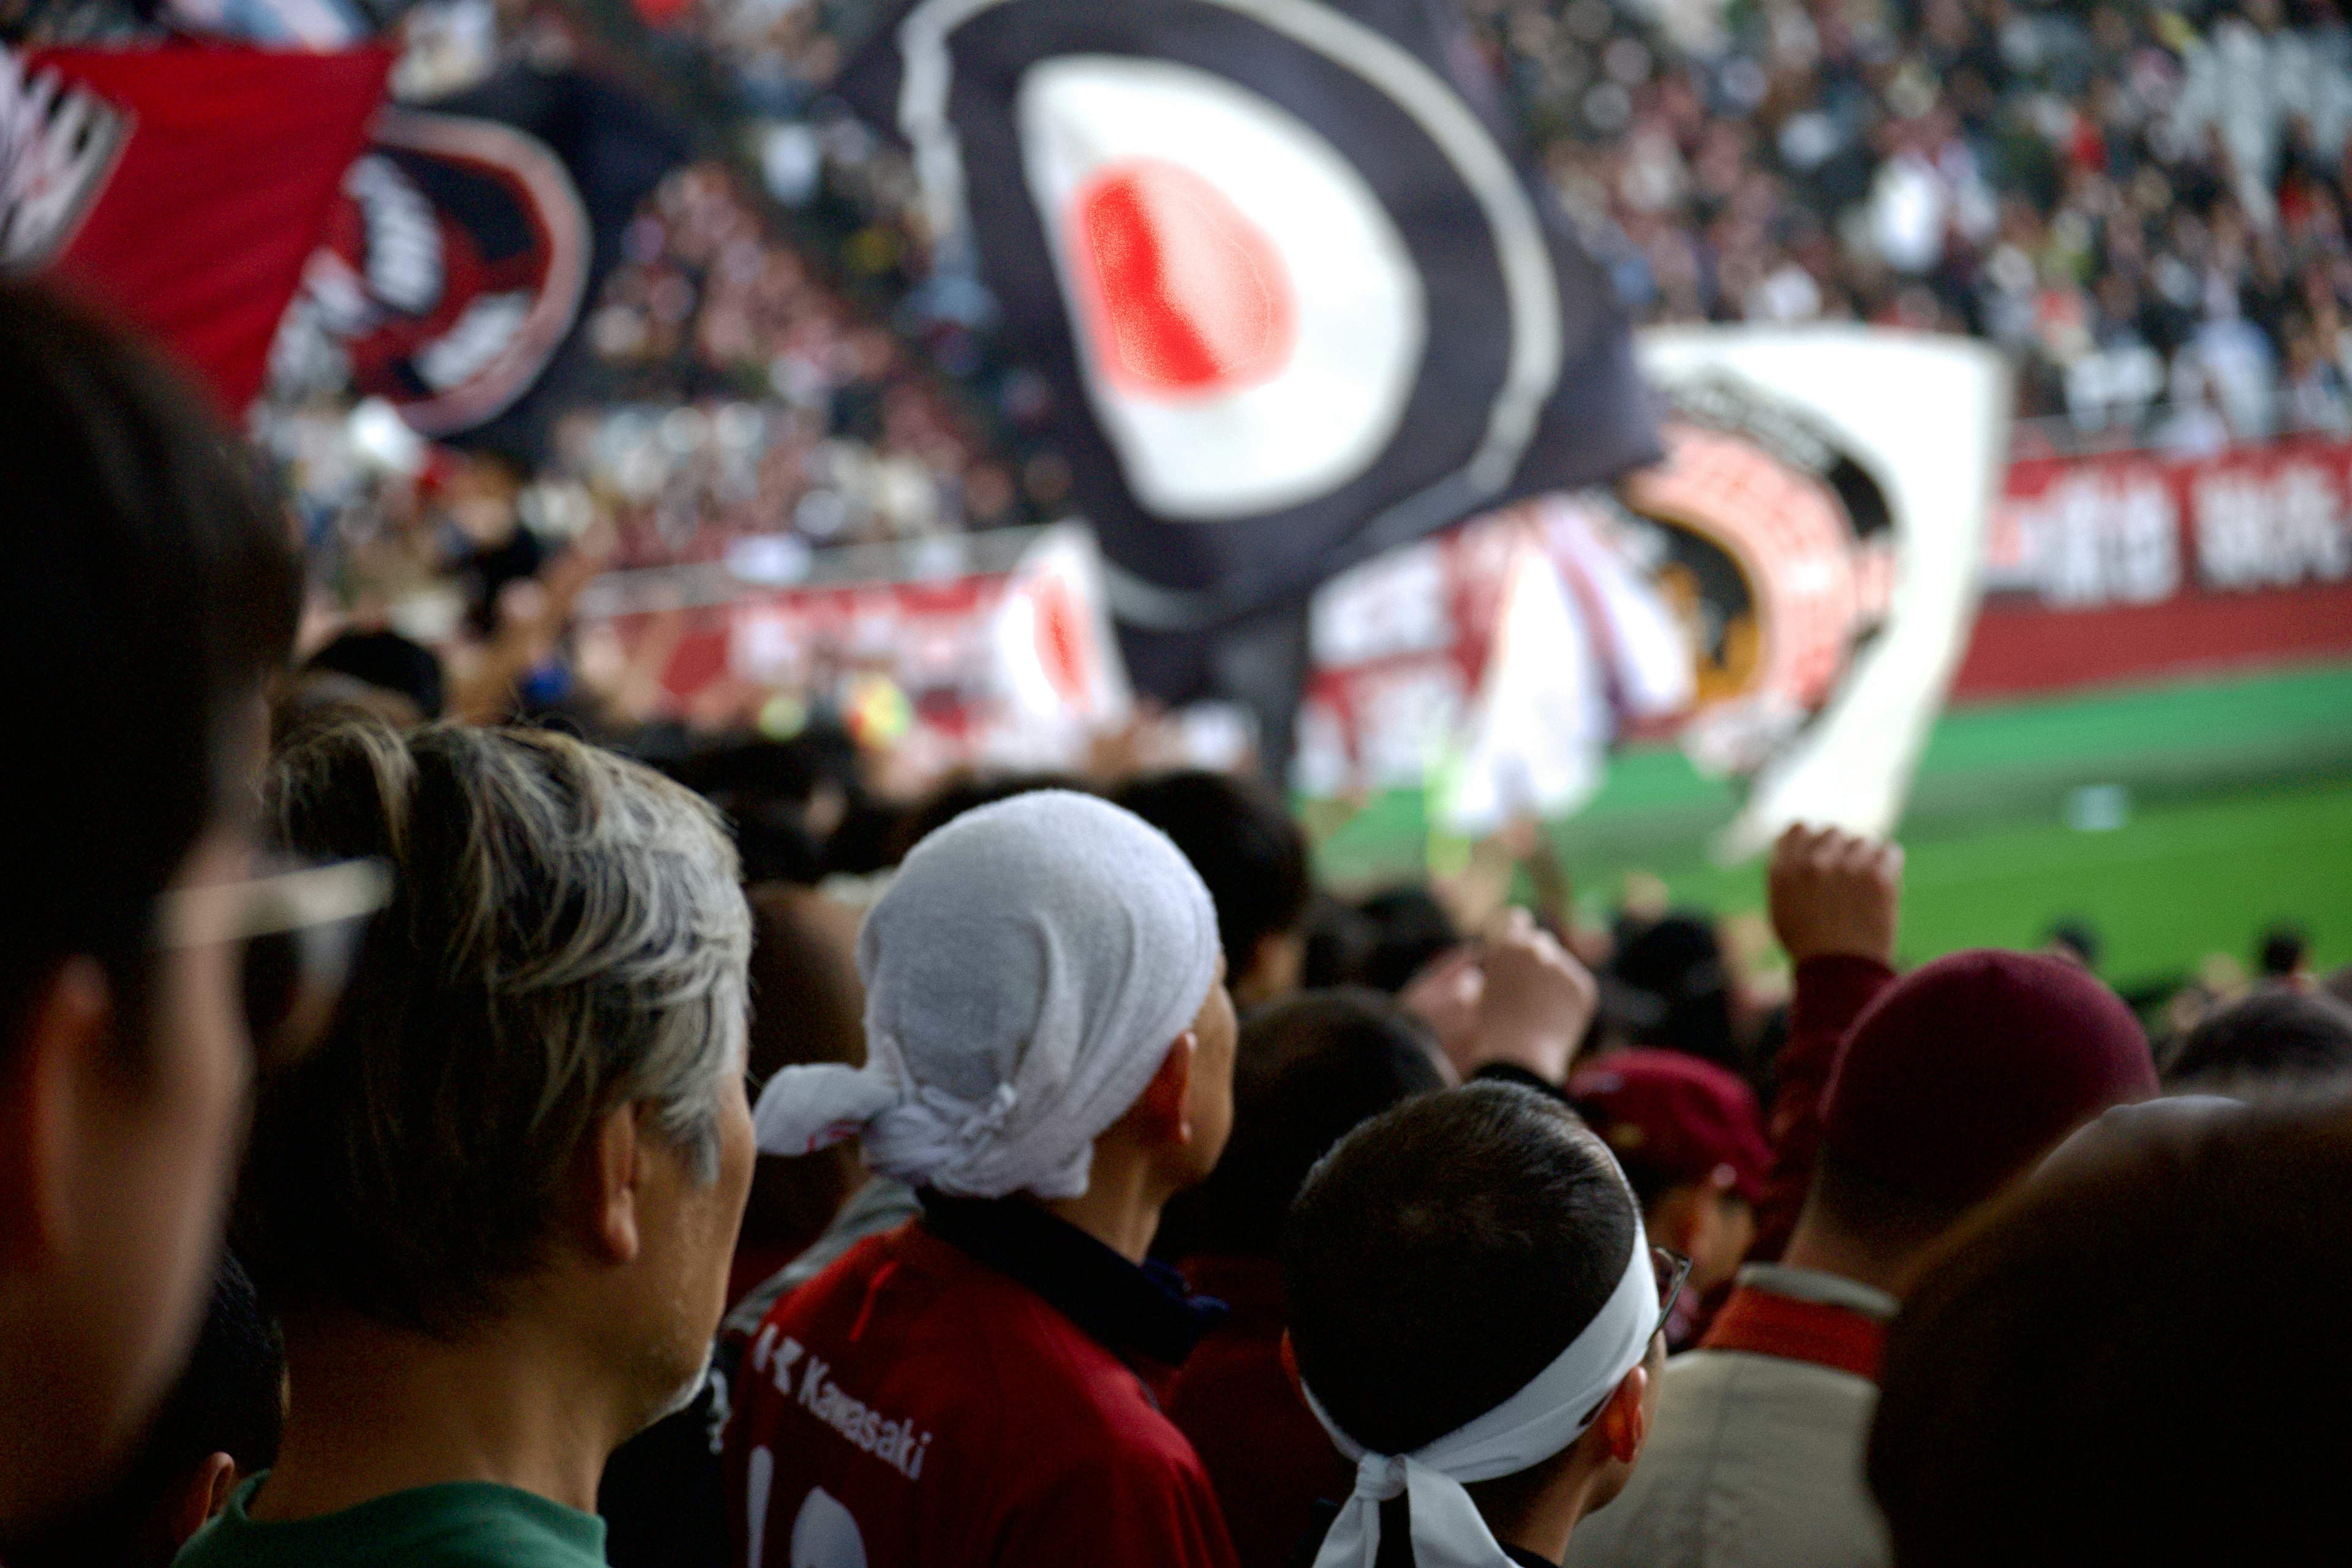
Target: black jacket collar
{"x": 1132, "y": 1311}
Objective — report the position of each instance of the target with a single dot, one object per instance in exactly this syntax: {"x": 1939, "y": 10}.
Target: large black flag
{"x": 471, "y": 239}
{"x": 1298, "y": 292}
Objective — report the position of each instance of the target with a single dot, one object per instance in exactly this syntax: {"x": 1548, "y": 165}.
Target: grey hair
{"x": 567, "y": 934}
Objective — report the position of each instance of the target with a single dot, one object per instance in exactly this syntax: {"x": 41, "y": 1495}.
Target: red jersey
{"x": 914, "y": 1407}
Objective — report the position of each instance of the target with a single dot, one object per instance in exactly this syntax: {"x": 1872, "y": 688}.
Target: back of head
{"x": 807, "y": 1005}
{"x": 1962, "y": 1075}
{"x": 149, "y": 588}
{"x": 1409, "y": 928}
{"x": 1309, "y": 1070}
{"x": 2128, "y": 1359}
{"x": 565, "y": 935}
{"x": 1025, "y": 975}
{"x": 2283, "y": 951}
{"x": 387, "y": 661}
{"x": 230, "y": 1399}
{"x": 1242, "y": 842}
{"x": 1445, "y": 1253}
{"x": 2275, "y": 1039}
{"x": 1678, "y": 959}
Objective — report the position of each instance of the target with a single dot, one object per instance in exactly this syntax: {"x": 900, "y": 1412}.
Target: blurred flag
{"x": 182, "y": 185}
{"x": 466, "y": 241}
{"x": 1298, "y": 293}
{"x": 1821, "y": 539}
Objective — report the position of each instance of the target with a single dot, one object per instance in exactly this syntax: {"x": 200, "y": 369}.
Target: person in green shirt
{"x": 495, "y": 1208}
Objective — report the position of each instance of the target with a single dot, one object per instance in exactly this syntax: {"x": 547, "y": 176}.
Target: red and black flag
{"x": 1298, "y": 292}
{"x": 466, "y": 242}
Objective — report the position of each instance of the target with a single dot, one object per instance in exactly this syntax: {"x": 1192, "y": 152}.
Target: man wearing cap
{"x": 1474, "y": 1316}
{"x": 1050, "y": 1049}
{"x": 1954, "y": 1081}
{"x": 1690, "y": 1139}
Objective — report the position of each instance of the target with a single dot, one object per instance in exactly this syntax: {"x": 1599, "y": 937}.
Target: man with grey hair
{"x": 495, "y": 1208}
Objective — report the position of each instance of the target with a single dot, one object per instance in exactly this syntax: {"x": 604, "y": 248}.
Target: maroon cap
{"x": 1965, "y": 1072}
{"x": 1685, "y": 1120}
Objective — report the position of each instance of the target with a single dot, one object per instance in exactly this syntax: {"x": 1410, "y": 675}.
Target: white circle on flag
{"x": 1249, "y": 323}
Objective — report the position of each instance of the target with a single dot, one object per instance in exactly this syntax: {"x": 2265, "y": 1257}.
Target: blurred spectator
{"x": 2284, "y": 954}
{"x": 1676, "y": 964}
{"x": 2052, "y": 1385}
{"x": 1690, "y": 1139}
{"x": 2075, "y": 940}
{"x": 387, "y": 662}
{"x": 148, "y": 592}
{"x": 1952, "y": 1083}
{"x": 1245, "y": 845}
{"x": 219, "y": 1428}
{"x": 2273, "y": 1039}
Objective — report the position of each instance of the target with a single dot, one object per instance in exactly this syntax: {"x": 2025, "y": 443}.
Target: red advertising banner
{"x": 2135, "y": 566}
{"x": 184, "y": 185}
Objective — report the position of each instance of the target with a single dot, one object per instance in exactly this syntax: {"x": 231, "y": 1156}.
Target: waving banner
{"x": 182, "y": 185}
{"x": 1787, "y": 593}
{"x": 1298, "y": 293}
{"x": 466, "y": 242}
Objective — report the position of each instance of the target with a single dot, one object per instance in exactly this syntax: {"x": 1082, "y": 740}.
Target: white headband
{"x": 1551, "y": 1412}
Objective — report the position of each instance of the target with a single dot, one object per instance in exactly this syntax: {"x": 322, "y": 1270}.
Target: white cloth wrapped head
{"x": 1553, "y": 1410}
{"x": 1025, "y": 973}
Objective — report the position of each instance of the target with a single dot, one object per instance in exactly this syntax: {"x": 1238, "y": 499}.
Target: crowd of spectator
{"x": 737, "y": 1167}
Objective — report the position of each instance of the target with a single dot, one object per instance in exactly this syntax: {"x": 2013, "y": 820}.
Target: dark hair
{"x": 1308, "y": 1071}
{"x": 230, "y": 1399}
{"x": 2128, "y": 1359}
{"x": 1338, "y": 944}
{"x": 1409, "y": 928}
{"x": 1446, "y": 1252}
{"x": 807, "y": 1005}
{"x": 2274, "y": 1037}
{"x": 149, "y": 588}
{"x": 2284, "y": 948}
{"x": 1243, "y": 843}
{"x": 389, "y": 660}
{"x": 1678, "y": 959}
{"x": 969, "y": 793}
{"x": 2079, "y": 937}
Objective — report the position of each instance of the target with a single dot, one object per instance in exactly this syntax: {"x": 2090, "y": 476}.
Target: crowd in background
{"x": 2143, "y": 206}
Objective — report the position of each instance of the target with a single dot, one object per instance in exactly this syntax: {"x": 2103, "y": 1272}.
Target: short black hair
{"x": 1409, "y": 930}
{"x": 148, "y": 586}
{"x": 969, "y": 791}
{"x": 2284, "y": 948}
{"x": 387, "y": 659}
{"x": 1445, "y": 1253}
{"x": 230, "y": 1399}
{"x": 2275, "y": 1038}
{"x": 1308, "y": 1070}
{"x": 2128, "y": 1359}
{"x": 1243, "y": 844}
{"x": 1678, "y": 959}
{"x": 2078, "y": 936}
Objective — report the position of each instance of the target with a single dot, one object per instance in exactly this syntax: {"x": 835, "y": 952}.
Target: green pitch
{"x": 2178, "y": 820}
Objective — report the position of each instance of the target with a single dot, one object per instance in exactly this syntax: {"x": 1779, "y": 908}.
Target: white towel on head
{"x": 1025, "y": 974}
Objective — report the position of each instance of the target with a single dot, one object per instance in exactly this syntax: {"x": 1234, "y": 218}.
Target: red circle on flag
{"x": 1189, "y": 296}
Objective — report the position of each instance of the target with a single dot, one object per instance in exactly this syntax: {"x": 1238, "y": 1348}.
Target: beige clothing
{"x": 1753, "y": 1461}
